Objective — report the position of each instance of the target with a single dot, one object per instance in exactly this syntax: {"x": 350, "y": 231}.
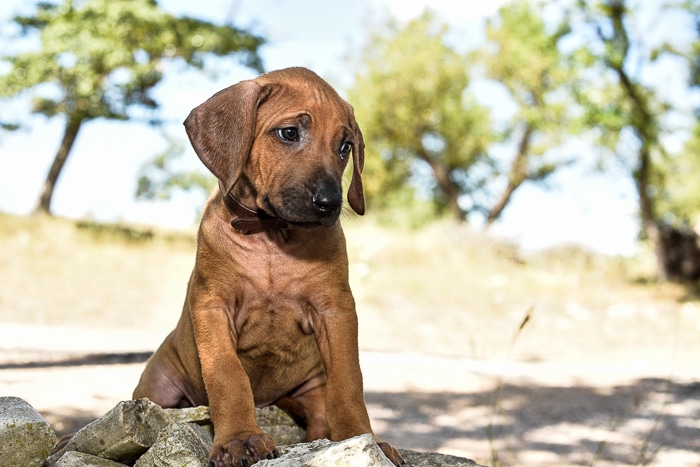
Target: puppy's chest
{"x": 275, "y": 337}
{"x": 264, "y": 311}
{"x": 277, "y": 296}
{"x": 281, "y": 292}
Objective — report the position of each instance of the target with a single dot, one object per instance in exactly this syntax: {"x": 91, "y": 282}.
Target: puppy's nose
{"x": 327, "y": 200}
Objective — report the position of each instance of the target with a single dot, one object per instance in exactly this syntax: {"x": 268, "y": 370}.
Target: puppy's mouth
{"x": 305, "y": 215}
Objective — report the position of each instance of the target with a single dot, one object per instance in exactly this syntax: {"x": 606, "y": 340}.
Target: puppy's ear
{"x": 356, "y": 192}
{"x": 221, "y": 130}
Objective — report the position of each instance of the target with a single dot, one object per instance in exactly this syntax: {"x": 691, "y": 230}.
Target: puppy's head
{"x": 288, "y": 137}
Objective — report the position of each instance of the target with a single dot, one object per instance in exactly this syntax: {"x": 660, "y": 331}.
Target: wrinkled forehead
{"x": 313, "y": 97}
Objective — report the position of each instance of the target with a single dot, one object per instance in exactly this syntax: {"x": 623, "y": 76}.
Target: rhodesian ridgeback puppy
{"x": 269, "y": 317}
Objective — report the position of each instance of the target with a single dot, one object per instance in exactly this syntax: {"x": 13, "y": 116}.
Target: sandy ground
{"x": 599, "y": 408}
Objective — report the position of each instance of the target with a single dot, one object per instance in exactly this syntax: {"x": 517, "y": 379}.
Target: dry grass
{"x": 447, "y": 290}
{"x": 440, "y": 290}
{"x": 58, "y": 272}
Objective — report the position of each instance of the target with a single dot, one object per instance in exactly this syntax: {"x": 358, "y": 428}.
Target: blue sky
{"x": 99, "y": 180}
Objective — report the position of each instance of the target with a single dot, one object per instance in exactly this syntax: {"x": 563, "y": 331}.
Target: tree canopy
{"x": 524, "y": 56}
{"x": 99, "y": 58}
{"x": 414, "y": 104}
{"x": 632, "y": 116}
{"x": 413, "y": 96}
{"x": 576, "y": 73}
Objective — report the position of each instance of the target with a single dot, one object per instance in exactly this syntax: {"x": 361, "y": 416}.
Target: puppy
{"x": 269, "y": 317}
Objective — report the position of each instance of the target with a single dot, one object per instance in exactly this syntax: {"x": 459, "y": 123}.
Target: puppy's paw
{"x": 243, "y": 452}
{"x": 392, "y": 454}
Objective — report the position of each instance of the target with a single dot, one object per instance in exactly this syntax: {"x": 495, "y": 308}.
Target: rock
{"x": 26, "y": 439}
{"x": 272, "y": 420}
{"x": 141, "y": 434}
{"x": 682, "y": 253}
{"x": 122, "y": 434}
{"x": 199, "y": 415}
{"x": 278, "y": 424}
{"x": 80, "y": 459}
{"x": 179, "y": 444}
{"x": 360, "y": 450}
{"x": 433, "y": 459}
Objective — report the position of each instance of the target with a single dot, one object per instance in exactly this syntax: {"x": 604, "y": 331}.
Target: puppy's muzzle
{"x": 315, "y": 203}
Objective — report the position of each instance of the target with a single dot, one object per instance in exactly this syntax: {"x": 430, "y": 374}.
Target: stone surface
{"x": 278, "y": 424}
{"x": 122, "y": 434}
{"x": 142, "y": 434}
{"x": 178, "y": 444}
{"x": 433, "y": 459}
{"x": 272, "y": 420}
{"x": 199, "y": 415}
{"x": 26, "y": 439}
{"x": 360, "y": 450}
{"x": 80, "y": 459}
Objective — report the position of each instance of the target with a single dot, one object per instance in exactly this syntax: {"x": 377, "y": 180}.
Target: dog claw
{"x": 243, "y": 452}
{"x": 393, "y": 454}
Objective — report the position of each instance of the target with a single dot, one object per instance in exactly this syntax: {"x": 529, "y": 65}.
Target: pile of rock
{"x": 142, "y": 434}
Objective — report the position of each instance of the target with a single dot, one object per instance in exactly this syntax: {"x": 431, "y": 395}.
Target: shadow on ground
{"x": 81, "y": 360}
{"x": 652, "y": 421}
{"x": 634, "y": 424}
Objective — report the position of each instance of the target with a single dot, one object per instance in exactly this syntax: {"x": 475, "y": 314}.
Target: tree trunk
{"x": 69, "y": 135}
{"x": 647, "y": 212}
{"x": 446, "y": 185}
{"x": 518, "y": 174}
{"x": 644, "y": 124}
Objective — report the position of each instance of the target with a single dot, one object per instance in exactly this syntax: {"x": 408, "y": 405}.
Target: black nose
{"x": 327, "y": 199}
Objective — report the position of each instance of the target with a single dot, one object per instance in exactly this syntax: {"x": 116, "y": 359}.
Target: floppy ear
{"x": 221, "y": 130}
{"x": 356, "y": 192}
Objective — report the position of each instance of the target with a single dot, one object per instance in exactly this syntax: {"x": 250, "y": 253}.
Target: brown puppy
{"x": 269, "y": 317}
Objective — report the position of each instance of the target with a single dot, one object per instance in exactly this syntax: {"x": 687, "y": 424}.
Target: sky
{"x": 580, "y": 206}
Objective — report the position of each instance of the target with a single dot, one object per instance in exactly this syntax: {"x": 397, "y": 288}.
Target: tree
{"x": 681, "y": 201}
{"x": 524, "y": 57}
{"x": 99, "y": 58}
{"x": 413, "y": 102}
{"x": 631, "y": 115}
{"x": 160, "y": 176}
{"x": 414, "y": 99}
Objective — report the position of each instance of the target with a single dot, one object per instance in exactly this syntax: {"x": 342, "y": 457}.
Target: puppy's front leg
{"x": 346, "y": 412}
{"x": 238, "y": 441}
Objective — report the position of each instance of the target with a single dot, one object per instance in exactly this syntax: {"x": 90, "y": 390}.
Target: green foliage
{"x": 524, "y": 56}
{"x": 106, "y": 55}
{"x": 632, "y": 117}
{"x": 9, "y": 126}
{"x": 99, "y": 58}
{"x": 680, "y": 202}
{"x": 160, "y": 176}
{"x": 118, "y": 232}
{"x": 629, "y": 114}
{"x": 413, "y": 103}
{"x": 434, "y": 141}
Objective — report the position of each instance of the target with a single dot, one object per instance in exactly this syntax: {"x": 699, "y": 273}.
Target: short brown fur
{"x": 269, "y": 317}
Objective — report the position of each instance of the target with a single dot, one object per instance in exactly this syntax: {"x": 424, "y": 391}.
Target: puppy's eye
{"x": 345, "y": 149}
{"x": 290, "y": 134}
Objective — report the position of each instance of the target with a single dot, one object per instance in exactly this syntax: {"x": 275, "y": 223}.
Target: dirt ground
{"x": 603, "y": 407}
